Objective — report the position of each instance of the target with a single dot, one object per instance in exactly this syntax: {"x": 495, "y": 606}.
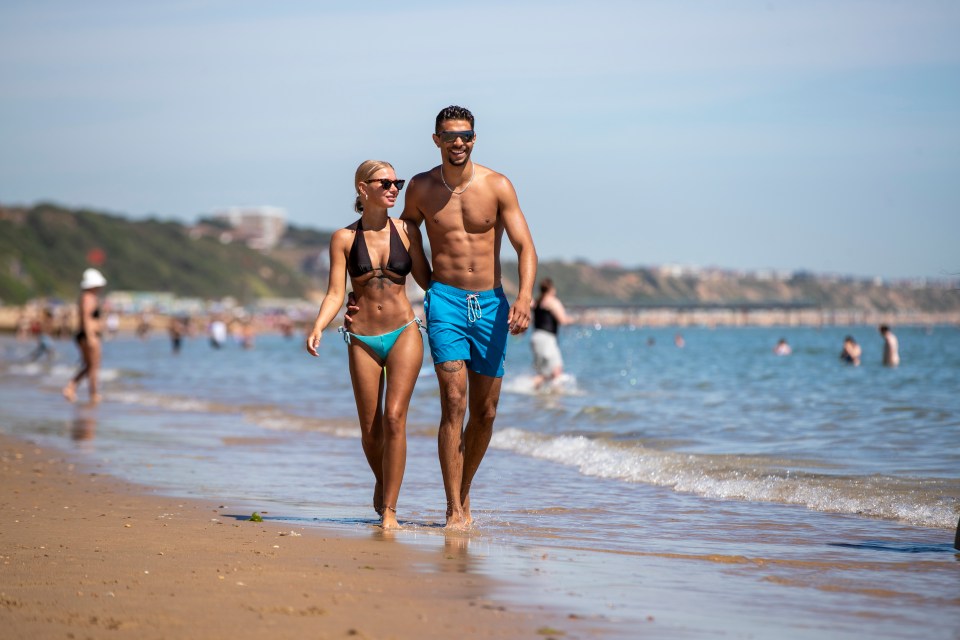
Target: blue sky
{"x": 748, "y": 135}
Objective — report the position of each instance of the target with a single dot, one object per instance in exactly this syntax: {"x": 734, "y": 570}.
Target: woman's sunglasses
{"x": 386, "y": 182}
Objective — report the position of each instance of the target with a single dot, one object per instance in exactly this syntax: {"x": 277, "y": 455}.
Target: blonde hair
{"x": 366, "y": 169}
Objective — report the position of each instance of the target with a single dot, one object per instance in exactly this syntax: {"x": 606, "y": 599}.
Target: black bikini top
{"x": 358, "y": 262}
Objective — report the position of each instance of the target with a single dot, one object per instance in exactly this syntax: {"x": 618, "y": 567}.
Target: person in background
{"x": 217, "y": 330}
{"x": 782, "y": 348}
{"x": 42, "y": 328}
{"x": 851, "y": 351}
{"x": 548, "y": 315}
{"x": 384, "y": 344}
{"x": 88, "y": 336}
{"x": 891, "y": 347}
{"x": 176, "y": 329}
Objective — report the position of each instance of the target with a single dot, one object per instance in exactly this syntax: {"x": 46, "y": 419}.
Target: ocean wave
{"x": 164, "y": 401}
{"x": 918, "y": 502}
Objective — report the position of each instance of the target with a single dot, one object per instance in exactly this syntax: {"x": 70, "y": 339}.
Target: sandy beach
{"x": 87, "y": 556}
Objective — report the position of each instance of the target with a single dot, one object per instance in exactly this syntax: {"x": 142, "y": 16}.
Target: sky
{"x": 748, "y": 135}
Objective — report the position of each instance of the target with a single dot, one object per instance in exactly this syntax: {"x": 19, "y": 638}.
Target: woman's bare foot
{"x": 378, "y": 498}
{"x": 389, "y": 521}
{"x": 70, "y": 392}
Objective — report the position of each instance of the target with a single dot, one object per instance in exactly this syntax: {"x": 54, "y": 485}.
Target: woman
{"x": 384, "y": 346}
{"x": 548, "y": 315}
{"x": 88, "y": 336}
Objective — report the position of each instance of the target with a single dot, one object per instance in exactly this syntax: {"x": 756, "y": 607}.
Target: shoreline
{"x": 86, "y": 554}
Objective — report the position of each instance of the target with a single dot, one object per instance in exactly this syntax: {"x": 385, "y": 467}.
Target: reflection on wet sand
{"x": 84, "y": 426}
{"x": 456, "y": 554}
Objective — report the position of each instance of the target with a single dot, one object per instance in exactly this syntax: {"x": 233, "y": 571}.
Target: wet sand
{"x": 88, "y": 556}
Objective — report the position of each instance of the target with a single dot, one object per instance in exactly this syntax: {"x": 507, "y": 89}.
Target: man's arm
{"x": 519, "y": 235}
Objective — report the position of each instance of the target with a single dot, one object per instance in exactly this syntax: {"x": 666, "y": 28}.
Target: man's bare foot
{"x": 95, "y": 399}
{"x": 70, "y": 392}
{"x": 378, "y": 498}
{"x": 465, "y": 501}
{"x": 389, "y": 521}
{"x": 455, "y": 520}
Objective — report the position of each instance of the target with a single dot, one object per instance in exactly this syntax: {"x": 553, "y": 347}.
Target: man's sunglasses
{"x": 386, "y": 182}
{"x": 451, "y": 136}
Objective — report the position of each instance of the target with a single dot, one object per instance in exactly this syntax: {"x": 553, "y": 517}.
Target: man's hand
{"x": 519, "y": 318}
{"x": 351, "y": 311}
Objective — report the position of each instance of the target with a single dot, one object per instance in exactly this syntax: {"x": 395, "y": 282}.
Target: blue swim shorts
{"x": 467, "y": 325}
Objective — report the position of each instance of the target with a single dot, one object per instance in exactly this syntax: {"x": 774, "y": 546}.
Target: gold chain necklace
{"x": 456, "y": 193}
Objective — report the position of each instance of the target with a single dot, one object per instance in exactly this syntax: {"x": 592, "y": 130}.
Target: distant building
{"x": 259, "y": 227}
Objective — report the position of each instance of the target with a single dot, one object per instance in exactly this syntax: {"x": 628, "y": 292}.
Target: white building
{"x": 260, "y": 227}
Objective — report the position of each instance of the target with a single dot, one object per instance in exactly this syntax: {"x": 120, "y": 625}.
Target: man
{"x": 466, "y": 208}
{"x": 891, "y": 347}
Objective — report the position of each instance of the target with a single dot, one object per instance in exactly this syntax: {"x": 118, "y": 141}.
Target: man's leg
{"x": 484, "y": 397}
{"x": 452, "y": 376}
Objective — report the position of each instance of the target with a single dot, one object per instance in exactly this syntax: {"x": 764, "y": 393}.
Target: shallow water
{"x": 718, "y": 488}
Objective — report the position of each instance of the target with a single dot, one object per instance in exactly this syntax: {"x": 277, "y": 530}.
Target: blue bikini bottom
{"x": 381, "y": 344}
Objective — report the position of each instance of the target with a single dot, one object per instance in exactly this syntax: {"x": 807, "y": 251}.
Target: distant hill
{"x": 44, "y": 249}
{"x": 583, "y": 284}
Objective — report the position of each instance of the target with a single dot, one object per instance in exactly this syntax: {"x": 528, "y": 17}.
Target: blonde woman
{"x": 88, "y": 336}
{"x": 384, "y": 344}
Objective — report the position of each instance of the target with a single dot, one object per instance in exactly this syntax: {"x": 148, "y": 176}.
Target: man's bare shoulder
{"x": 493, "y": 179}
{"x": 424, "y": 177}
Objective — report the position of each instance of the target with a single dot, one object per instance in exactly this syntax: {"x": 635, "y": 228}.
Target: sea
{"x": 676, "y": 483}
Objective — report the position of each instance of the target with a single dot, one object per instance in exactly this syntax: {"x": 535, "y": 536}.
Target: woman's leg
{"x": 93, "y": 355}
{"x": 366, "y": 374}
{"x": 403, "y": 367}
{"x": 70, "y": 391}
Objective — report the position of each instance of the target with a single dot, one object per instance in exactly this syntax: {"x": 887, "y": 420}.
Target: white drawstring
{"x": 474, "y": 312}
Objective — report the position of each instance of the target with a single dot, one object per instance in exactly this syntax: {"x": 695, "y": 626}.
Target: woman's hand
{"x": 313, "y": 341}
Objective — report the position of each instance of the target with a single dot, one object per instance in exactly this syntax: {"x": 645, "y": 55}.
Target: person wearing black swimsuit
{"x": 88, "y": 336}
{"x": 384, "y": 343}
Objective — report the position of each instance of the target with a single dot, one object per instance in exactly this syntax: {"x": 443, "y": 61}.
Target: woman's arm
{"x": 336, "y": 286}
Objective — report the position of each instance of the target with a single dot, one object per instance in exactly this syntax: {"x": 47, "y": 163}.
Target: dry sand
{"x": 87, "y": 556}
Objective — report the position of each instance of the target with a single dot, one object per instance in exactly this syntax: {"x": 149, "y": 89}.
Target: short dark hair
{"x": 453, "y": 112}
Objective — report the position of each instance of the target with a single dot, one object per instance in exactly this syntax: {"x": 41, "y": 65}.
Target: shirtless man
{"x": 891, "y": 347}
{"x": 466, "y": 208}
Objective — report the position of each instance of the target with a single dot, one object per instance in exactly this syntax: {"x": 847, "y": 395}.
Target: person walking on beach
{"x": 466, "y": 209}
{"x": 384, "y": 343}
{"x": 851, "y": 351}
{"x": 548, "y": 315}
{"x": 88, "y": 336}
{"x": 891, "y": 347}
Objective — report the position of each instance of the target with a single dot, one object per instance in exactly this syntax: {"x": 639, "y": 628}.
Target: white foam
{"x": 733, "y": 477}
{"x": 525, "y": 384}
{"x": 173, "y": 403}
